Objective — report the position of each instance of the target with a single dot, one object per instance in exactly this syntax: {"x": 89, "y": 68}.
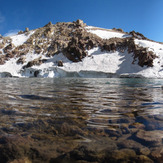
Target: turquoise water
{"x": 76, "y": 119}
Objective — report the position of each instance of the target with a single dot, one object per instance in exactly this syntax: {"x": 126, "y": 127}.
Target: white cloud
{"x": 11, "y": 32}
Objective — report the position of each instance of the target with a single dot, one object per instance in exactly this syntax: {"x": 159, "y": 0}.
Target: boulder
{"x": 8, "y": 48}
{"x": 37, "y": 61}
{"x": 60, "y": 63}
{"x": 49, "y": 31}
{"x": 21, "y": 60}
{"x": 2, "y": 60}
{"x": 20, "y": 32}
{"x": 123, "y": 155}
{"x": 80, "y": 23}
{"x": 137, "y": 35}
{"x": 143, "y": 159}
{"x": 157, "y": 154}
{"x": 26, "y": 29}
{"x": 14, "y": 145}
{"x": 36, "y": 73}
{"x": 152, "y": 138}
{"x": 49, "y": 24}
{"x": 38, "y": 49}
{"x": 5, "y": 75}
{"x": 118, "y": 30}
{"x": 9, "y": 55}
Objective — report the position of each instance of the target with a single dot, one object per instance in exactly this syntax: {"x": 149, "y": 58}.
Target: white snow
{"x": 21, "y": 38}
{"x": 106, "y": 33}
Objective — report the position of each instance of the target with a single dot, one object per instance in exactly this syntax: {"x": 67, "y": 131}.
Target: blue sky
{"x": 144, "y": 16}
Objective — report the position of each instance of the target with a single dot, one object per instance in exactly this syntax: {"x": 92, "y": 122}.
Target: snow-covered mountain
{"x": 74, "y": 49}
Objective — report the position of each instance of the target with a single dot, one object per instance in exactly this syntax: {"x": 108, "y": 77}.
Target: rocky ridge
{"x": 73, "y": 40}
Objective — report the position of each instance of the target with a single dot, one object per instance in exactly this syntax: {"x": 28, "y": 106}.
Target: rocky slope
{"x": 75, "y": 49}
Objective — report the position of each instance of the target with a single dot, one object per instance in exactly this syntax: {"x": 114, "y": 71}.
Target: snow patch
{"x": 12, "y": 67}
{"x": 154, "y": 46}
{"x": 106, "y": 34}
{"x": 21, "y": 38}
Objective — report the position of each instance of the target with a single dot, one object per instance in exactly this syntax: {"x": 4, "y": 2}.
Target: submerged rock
{"x": 157, "y": 154}
{"x": 153, "y": 138}
{"x": 144, "y": 159}
{"x": 124, "y": 155}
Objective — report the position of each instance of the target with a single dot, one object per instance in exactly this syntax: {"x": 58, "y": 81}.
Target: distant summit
{"x": 75, "y": 49}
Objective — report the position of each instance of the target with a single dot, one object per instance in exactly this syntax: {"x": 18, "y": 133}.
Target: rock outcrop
{"x": 37, "y": 61}
{"x": 144, "y": 56}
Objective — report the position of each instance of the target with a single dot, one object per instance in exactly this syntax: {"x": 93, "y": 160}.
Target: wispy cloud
{"x": 11, "y": 32}
{"x": 2, "y": 18}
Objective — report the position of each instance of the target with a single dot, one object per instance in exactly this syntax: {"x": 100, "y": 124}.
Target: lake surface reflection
{"x": 81, "y": 120}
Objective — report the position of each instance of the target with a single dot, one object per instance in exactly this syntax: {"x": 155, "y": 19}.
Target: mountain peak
{"x": 56, "y": 47}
